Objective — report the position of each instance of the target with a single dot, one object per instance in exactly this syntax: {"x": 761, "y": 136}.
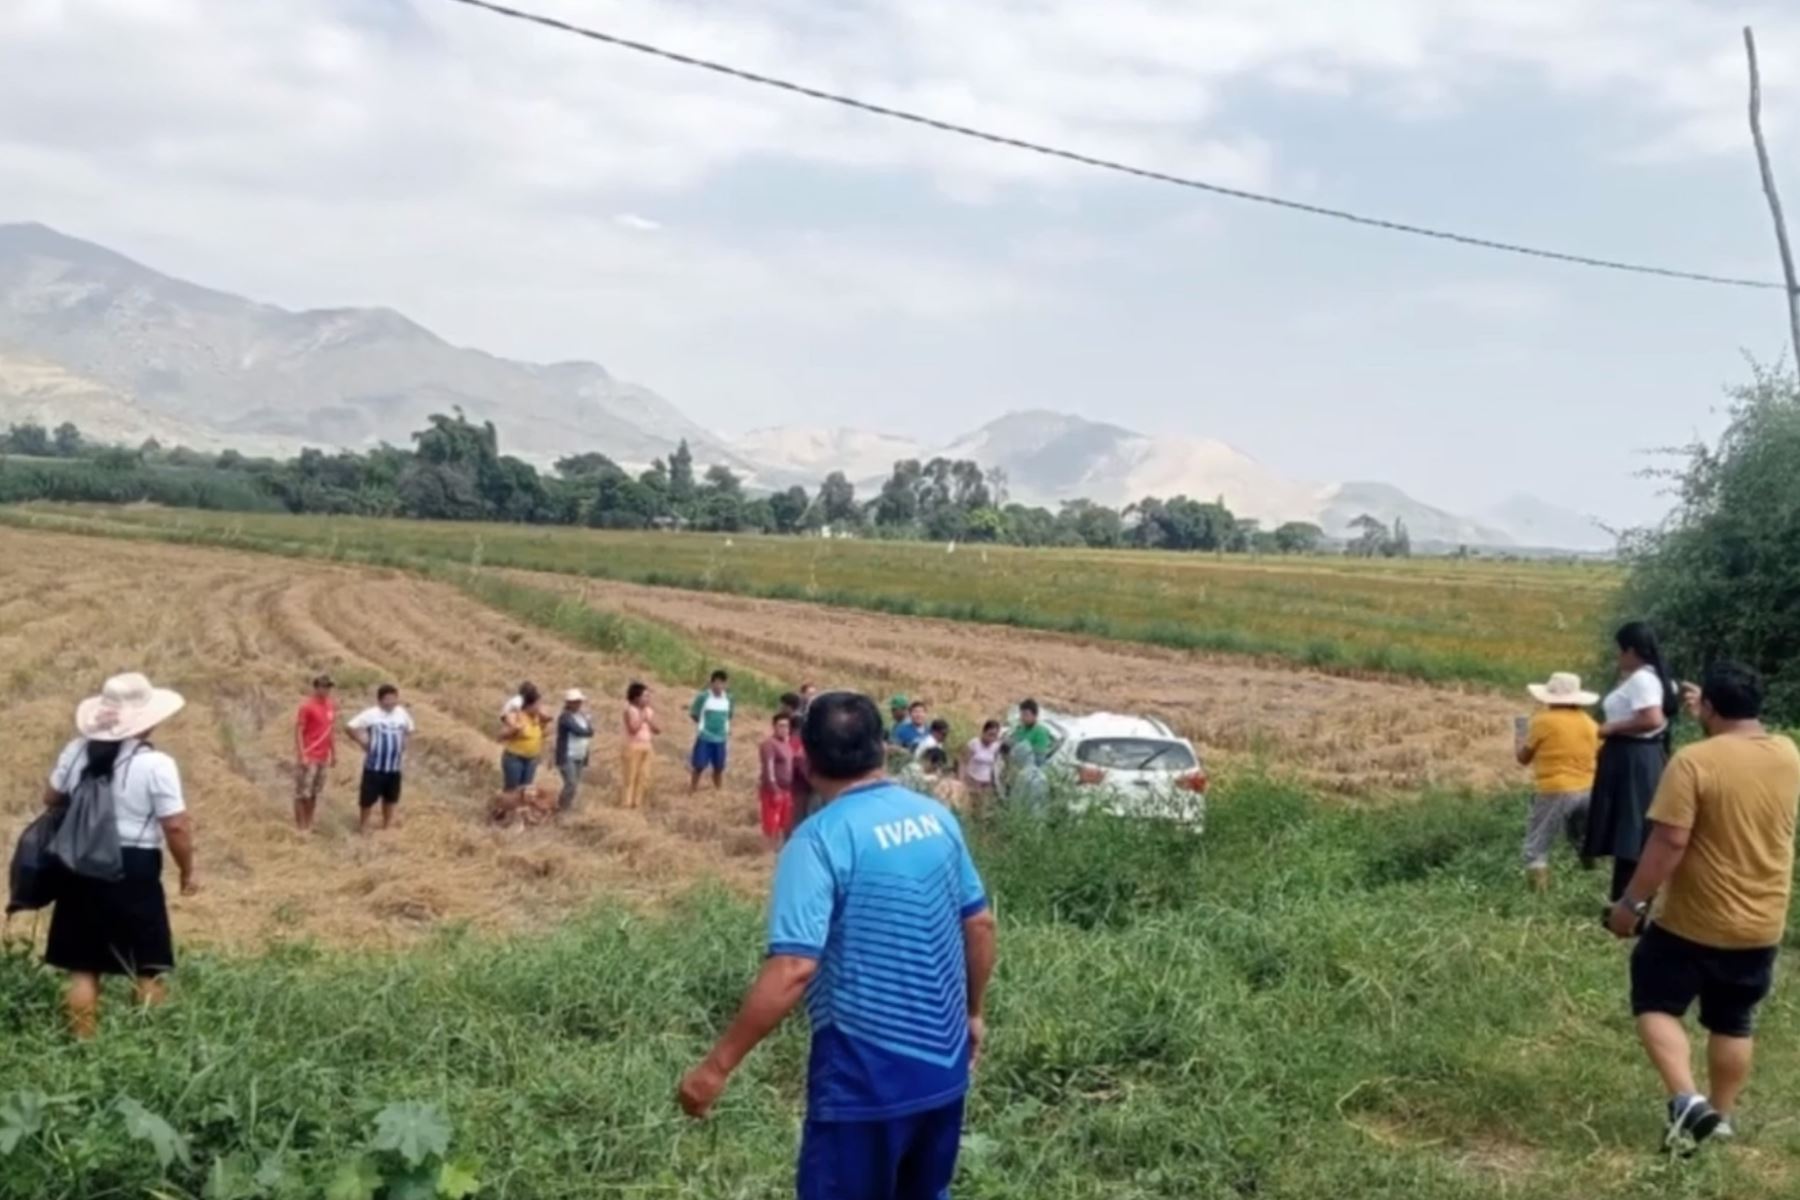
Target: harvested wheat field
{"x": 239, "y": 635}
{"x": 1352, "y": 737}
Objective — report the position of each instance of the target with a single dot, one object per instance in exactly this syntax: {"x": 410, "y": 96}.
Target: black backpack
{"x": 36, "y": 875}
{"x": 87, "y": 840}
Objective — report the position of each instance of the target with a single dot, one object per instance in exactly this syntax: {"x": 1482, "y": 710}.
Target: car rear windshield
{"x": 1136, "y": 754}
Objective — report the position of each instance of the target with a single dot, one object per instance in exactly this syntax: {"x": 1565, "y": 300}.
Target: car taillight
{"x": 1195, "y": 781}
{"x": 1090, "y": 775}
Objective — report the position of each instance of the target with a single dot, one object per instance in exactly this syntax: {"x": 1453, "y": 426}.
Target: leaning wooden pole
{"x": 1774, "y": 197}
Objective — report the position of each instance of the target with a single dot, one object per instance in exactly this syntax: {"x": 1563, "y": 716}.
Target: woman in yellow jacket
{"x": 522, "y": 725}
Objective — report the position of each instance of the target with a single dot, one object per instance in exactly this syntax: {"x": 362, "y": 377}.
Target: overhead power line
{"x": 1104, "y": 164}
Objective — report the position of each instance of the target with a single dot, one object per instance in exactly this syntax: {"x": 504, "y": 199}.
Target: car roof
{"x": 1116, "y": 725}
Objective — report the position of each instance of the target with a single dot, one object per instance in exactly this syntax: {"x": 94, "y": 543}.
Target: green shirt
{"x": 1036, "y": 737}
{"x": 713, "y": 714}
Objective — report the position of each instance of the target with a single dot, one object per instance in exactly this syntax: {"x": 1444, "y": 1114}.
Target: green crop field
{"x": 1433, "y": 619}
{"x": 1306, "y": 1003}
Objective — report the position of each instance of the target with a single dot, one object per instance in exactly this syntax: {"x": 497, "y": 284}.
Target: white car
{"x": 1127, "y": 766}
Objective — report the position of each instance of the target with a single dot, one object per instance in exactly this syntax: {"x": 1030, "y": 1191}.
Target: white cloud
{"x": 492, "y": 178}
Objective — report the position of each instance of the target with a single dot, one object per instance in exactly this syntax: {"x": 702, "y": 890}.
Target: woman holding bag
{"x": 121, "y": 927}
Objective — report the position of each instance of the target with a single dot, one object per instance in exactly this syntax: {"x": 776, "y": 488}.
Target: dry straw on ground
{"x": 240, "y": 634}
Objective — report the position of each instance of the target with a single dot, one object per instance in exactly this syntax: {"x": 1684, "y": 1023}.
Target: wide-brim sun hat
{"x": 1564, "y": 687}
{"x": 574, "y": 696}
{"x": 126, "y": 707}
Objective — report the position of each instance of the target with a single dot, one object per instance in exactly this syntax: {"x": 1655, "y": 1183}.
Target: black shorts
{"x": 1668, "y": 973}
{"x": 379, "y": 787}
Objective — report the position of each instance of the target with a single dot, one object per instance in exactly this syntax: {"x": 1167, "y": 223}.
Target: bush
{"x": 1721, "y": 578}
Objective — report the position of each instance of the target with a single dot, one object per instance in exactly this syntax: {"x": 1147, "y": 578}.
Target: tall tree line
{"x": 455, "y": 471}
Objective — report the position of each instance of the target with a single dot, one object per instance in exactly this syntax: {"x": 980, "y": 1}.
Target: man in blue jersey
{"x": 880, "y": 921}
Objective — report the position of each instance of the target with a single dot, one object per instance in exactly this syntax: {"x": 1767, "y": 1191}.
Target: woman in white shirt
{"x": 1633, "y": 753}
{"x": 121, "y": 927}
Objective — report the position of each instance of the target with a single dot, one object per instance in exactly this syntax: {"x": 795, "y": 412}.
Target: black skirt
{"x": 113, "y": 928}
{"x": 1624, "y": 785}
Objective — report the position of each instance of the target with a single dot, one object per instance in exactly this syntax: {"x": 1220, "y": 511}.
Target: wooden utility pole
{"x": 1774, "y": 197}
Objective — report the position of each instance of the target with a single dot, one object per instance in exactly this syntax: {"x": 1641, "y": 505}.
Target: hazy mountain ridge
{"x": 125, "y": 352}
{"x": 336, "y": 377}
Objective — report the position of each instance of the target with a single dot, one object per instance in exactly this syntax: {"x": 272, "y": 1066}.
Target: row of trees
{"x": 455, "y": 471}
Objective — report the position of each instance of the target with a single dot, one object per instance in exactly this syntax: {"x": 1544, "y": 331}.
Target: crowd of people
{"x": 880, "y": 920}
{"x": 1701, "y": 843}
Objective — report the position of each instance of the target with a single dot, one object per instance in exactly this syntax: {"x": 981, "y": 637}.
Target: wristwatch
{"x": 1640, "y": 910}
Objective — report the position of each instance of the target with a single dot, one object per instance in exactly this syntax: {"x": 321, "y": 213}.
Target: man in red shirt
{"x": 315, "y": 750}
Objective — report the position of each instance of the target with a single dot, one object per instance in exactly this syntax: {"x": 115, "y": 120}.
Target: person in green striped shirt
{"x": 711, "y": 713}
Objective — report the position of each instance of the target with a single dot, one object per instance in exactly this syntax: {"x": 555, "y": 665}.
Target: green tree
{"x": 682, "y": 489}
{"x": 986, "y": 525}
{"x": 67, "y": 440}
{"x": 719, "y": 502}
{"x": 898, "y": 504}
{"x": 1721, "y": 577}
{"x": 1371, "y": 536}
{"x": 837, "y": 501}
{"x": 787, "y": 510}
{"x": 1090, "y": 524}
{"x": 586, "y": 466}
{"x": 29, "y": 439}
{"x": 1298, "y": 537}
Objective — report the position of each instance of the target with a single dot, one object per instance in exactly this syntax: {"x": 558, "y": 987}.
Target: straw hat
{"x": 126, "y": 707}
{"x": 1564, "y": 688}
{"x": 574, "y": 696}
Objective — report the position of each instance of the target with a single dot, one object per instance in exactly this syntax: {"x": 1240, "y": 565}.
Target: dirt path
{"x": 1350, "y": 736}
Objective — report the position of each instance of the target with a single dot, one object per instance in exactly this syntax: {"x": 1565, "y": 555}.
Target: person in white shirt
{"x": 382, "y": 732}
{"x": 937, "y": 737}
{"x": 121, "y": 927}
{"x": 1633, "y": 752}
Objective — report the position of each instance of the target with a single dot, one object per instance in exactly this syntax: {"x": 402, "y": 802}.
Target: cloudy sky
{"x": 762, "y": 259}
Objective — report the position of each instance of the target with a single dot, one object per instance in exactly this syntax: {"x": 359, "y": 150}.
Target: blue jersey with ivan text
{"x": 876, "y": 887}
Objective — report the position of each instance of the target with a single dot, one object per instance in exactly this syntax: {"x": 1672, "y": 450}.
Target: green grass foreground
{"x": 1432, "y": 619}
{"x": 1305, "y": 1002}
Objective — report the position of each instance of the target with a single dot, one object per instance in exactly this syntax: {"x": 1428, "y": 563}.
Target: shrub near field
{"x": 1430, "y": 619}
{"x": 1304, "y": 1003}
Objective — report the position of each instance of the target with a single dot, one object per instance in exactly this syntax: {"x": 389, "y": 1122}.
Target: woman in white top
{"x": 980, "y": 760}
{"x": 1633, "y": 753}
{"x": 104, "y": 927}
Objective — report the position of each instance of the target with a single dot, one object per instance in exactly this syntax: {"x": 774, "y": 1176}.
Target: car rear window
{"x": 1136, "y": 754}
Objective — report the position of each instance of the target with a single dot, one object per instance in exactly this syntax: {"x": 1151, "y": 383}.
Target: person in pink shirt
{"x": 775, "y": 787}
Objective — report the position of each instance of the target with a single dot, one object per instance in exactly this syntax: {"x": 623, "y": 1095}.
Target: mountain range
{"x": 127, "y": 353}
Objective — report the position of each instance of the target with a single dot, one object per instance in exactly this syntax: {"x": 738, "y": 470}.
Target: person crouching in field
{"x": 881, "y": 924}
{"x": 382, "y": 732}
{"x": 120, "y": 926}
{"x": 315, "y": 750}
{"x": 1561, "y": 745}
{"x": 1721, "y": 853}
{"x": 775, "y": 784}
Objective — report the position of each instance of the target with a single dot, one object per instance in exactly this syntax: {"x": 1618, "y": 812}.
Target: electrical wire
{"x": 1088, "y": 160}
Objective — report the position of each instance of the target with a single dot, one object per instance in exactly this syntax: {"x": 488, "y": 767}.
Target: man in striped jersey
{"x": 381, "y": 731}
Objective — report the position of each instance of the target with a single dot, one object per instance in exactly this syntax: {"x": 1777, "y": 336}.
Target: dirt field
{"x": 239, "y": 634}
{"x": 1353, "y": 737}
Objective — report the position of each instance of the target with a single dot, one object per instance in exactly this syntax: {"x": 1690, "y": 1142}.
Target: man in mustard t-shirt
{"x": 1721, "y": 851}
{"x": 1561, "y": 746}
